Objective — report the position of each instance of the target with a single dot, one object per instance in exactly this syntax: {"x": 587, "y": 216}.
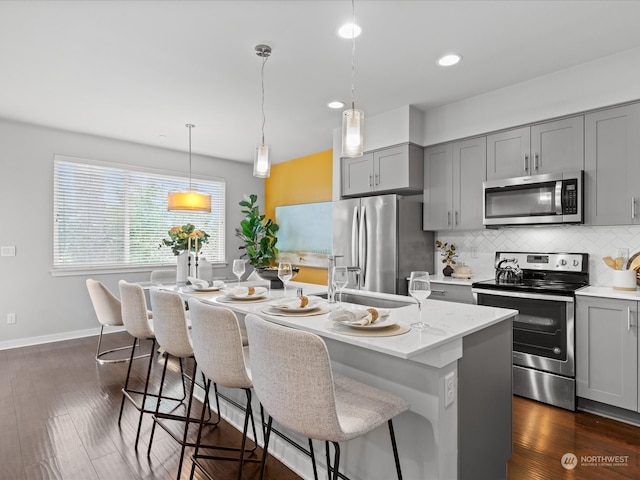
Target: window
{"x": 108, "y": 215}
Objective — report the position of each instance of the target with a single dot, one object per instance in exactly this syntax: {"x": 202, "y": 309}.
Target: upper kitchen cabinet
{"x": 454, "y": 173}
{"x": 397, "y": 169}
{"x": 550, "y": 147}
{"x": 612, "y": 166}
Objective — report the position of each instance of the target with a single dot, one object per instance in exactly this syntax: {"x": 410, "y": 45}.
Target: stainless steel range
{"x": 542, "y": 287}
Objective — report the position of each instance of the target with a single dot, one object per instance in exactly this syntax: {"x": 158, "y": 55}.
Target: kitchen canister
{"x": 624, "y": 280}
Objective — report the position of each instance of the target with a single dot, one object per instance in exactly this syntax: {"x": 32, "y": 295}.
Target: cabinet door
{"x": 357, "y": 175}
{"x": 438, "y": 186}
{"x": 398, "y": 169}
{"x": 558, "y": 146}
{"x": 508, "y": 153}
{"x": 607, "y": 351}
{"x": 469, "y": 167}
{"x": 612, "y": 166}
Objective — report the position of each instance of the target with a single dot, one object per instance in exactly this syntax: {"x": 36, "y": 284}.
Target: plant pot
{"x": 271, "y": 274}
{"x": 447, "y": 271}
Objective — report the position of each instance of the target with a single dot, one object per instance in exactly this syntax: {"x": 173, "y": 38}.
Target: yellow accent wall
{"x": 302, "y": 180}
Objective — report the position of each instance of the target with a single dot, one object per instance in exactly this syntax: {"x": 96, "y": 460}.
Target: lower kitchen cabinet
{"x": 607, "y": 351}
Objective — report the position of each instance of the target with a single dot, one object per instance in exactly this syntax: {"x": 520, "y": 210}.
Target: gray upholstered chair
{"x": 292, "y": 377}
{"x": 139, "y": 324}
{"x": 172, "y": 334}
{"x": 107, "y": 308}
{"x": 218, "y": 349}
{"x": 163, "y": 276}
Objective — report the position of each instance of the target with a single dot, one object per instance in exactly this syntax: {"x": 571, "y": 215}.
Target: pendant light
{"x": 261, "y": 165}
{"x": 190, "y": 200}
{"x": 352, "y": 119}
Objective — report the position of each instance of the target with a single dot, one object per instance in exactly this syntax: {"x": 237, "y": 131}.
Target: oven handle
{"x": 527, "y": 295}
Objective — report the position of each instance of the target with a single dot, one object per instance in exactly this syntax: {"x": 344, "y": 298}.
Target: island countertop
{"x": 448, "y": 324}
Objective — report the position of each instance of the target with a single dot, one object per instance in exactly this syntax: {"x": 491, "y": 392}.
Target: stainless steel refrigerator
{"x": 383, "y": 236}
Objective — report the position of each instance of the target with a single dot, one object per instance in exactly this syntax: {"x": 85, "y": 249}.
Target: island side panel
{"x": 485, "y": 402}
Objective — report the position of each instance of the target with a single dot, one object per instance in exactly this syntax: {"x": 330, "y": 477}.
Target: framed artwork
{"x": 305, "y": 237}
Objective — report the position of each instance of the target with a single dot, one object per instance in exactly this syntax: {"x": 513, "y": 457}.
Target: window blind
{"x": 109, "y": 215}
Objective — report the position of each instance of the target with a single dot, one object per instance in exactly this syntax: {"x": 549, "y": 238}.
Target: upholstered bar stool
{"x": 138, "y": 322}
{"x": 108, "y": 311}
{"x": 172, "y": 334}
{"x": 218, "y": 349}
{"x": 292, "y": 377}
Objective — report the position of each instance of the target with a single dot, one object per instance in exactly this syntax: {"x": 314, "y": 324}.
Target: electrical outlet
{"x": 11, "y": 318}
{"x": 449, "y": 388}
{"x": 623, "y": 252}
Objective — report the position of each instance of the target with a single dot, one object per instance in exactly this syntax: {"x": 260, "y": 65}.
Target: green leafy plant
{"x": 448, "y": 252}
{"x": 179, "y": 237}
{"x": 258, "y": 234}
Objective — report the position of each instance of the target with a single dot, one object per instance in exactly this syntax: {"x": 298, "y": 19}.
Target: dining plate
{"x": 231, "y": 296}
{"x": 307, "y": 308}
{"x": 381, "y": 323}
{"x": 205, "y": 289}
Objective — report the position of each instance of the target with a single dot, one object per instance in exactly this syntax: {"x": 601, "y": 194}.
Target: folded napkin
{"x": 358, "y": 316}
{"x": 199, "y": 283}
{"x": 246, "y": 291}
{"x": 297, "y": 302}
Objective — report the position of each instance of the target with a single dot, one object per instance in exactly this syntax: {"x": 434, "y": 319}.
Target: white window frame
{"x": 153, "y": 229}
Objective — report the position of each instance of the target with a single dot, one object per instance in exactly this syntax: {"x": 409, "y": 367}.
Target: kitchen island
{"x": 456, "y": 376}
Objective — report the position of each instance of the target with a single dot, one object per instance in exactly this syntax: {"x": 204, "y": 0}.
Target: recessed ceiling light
{"x": 349, "y": 30}
{"x": 449, "y": 59}
{"x": 335, "y": 104}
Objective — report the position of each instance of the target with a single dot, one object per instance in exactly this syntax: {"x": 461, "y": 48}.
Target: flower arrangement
{"x": 186, "y": 237}
{"x": 448, "y": 252}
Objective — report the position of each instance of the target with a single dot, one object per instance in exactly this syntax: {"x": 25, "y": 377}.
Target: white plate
{"x": 205, "y": 289}
{"x": 307, "y": 308}
{"x": 381, "y": 323}
{"x": 245, "y": 297}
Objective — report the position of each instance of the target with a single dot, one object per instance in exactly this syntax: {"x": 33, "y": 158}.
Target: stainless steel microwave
{"x": 535, "y": 200}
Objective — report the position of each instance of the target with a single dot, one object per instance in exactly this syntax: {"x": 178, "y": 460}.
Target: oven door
{"x": 543, "y": 331}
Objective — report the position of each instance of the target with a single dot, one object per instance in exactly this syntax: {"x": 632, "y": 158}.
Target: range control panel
{"x": 560, "y": 262}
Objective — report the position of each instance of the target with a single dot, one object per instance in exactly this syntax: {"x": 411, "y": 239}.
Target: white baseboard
{"x": 56, "y": 337}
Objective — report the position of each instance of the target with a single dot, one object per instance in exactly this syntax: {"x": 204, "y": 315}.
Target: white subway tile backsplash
{"x": 598, "y": 242}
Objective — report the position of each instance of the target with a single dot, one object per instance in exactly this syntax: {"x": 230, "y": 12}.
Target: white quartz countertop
{"x": 608, "y": 292}
{"x": 449, "y": 323}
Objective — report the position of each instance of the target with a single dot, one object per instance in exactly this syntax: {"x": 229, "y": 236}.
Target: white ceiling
{"x": 140, "y": 70}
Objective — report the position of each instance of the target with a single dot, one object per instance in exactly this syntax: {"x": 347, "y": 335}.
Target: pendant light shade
{"x": 261, "y": 166}
{"x": 352, "y": 119}
{"x": 261, "y": 163}
{"x": 352, "y": 133}
{"x": 190, "y": 200}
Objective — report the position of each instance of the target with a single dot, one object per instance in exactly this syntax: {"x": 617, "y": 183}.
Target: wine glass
{"x": 285, "y": 272}
{"x": 340, "y": 280}
{"x": 238, "y": 268}
{"x": 420, "y": 289}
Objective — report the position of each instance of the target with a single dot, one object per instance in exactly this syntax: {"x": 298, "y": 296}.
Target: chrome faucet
{"x": 331, "y": 287}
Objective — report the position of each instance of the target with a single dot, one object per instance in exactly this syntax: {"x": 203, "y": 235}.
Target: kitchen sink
{"x": 370, "y": 300}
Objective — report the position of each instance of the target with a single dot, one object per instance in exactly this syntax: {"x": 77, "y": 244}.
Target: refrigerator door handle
{"x": 362, "y": 256}
{"x": 355, "y": 238}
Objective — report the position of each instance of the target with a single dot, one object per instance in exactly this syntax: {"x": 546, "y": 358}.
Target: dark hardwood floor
{"x": 58, "y": 420}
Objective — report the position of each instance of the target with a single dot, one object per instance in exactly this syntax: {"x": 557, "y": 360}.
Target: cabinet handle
{"x": 370, "y": 180}
{"x": 633, "y": 207}
{"x": 377, "y": 179}
{"x": 629, "y": 324}
{"x": 455, "y": 216}
{"x": 448, "y": 217}
{"x": 526, "y": 162}
{"x": 536, "y": 163}
{"x": 438, "y": 292}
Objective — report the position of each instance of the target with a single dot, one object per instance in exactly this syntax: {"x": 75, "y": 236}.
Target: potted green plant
{"x": 448, "y": 254}
{"x": 259, "y": 236}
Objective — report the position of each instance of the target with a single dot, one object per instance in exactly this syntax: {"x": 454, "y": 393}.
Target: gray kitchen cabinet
{"x": 607, "y": 351}
{"x": 550, "y": 147}
{"x": 454, "y": 173}
{"x": 612, "y": 166}
{"x": 395, "y": 169}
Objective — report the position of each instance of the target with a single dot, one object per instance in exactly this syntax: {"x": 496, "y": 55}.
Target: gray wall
{"x": 52, "y": 307}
